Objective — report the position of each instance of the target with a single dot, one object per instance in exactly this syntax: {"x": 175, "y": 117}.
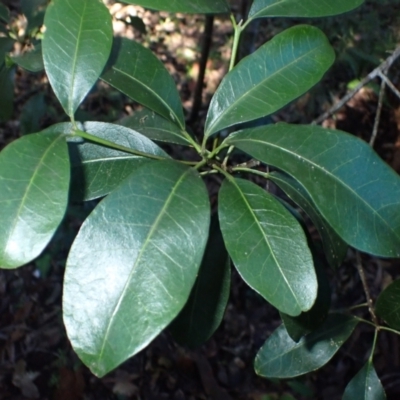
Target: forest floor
{"x": 36, "y": 359}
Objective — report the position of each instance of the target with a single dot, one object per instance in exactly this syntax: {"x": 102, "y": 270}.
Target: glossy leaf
{"x": 306, "y": 322}
{"x": 184, "y": 6}
{"x": 353, "y": 189}
{"x": 155, "y": 127}
{"x": 97, "y": 170}
{"x": 267, "y": 246}
{"x": 76, "y": 46}
{"x": 132, "y": 266}
{"x": 34, "y": 181}
{"x": 31, "y": 60}
{"x": 205, "y": 308}
{"x": 137, "y": 72}
{"x": 4, "y": 13}
{"x": 278, "y": 72}
{"x": 281, "y": 357}
{"x": 388, "y": 305}
{"x": 7, "y": 92}
{"x": 365, "y": 385}
{"x": 335, "y": 248}
{"x": 304, "y": 8}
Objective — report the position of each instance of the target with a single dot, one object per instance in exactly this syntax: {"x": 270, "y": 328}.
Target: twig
{"x": 380, "y": 70}
{"x": 390, "y": 84}
{"x": 366, "y": 289}
{"x": 378, "y": 114}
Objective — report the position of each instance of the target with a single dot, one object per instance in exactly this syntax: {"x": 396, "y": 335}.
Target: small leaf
{"x": 267, "y": 246}
{"x": 184, "y": 6}
{"x": 365, "y": 385}
{"x": 137, "y": 72}
{"x": 282, "y": 358}
{"x": 155, "y": 127}
{"x": 6, "y": 45}
{"x": 7, "y": 92}
{"x": 34, "y": 181}
{"x": 304, "y": 8}
{"x": 145, "y": 264}
{"x": 32, "y": 60}
{"x": 327, "y": 163}
{"x": 306, "y": 322}
{"x": 388, "y": 305}
{"x": 76, "y": 46}
{"x": 335, "y": 248}
{"x": 205, "y": 308}
{"x": 4, "y": 13}
{"x": 98, "y": 170}
{"x": 34, "y": 11}
{"x": 278, "y": 72}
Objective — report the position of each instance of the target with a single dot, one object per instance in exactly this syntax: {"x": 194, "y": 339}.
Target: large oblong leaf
{"x": 137, "y": 72}
{"x": 365, "y": 385}
{"x": 34, "y": 182}
{"x": 205, "y": 308}
{"x": 388, "y": 305}
{"x": 281, "y": 357}
{"x": 354, "y": 190}
{"x": 278, "y": 72}
{"x": 132, "y": 266}
{"x": 303, "y": 8}
{"x": 267, "y": 246}
{"x": 335, "y": 248}
{"x": 97, "y": 170}
{"x": 184, "y": 6}
{"x": 76, "y": 45}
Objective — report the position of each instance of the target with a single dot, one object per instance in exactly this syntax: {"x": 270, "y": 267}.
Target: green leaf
{"x": 34, "y": 11}
{"x": 363, "y": 208}
{"x": 281, "y": 357}
{"x": 76, "y": 46}
{"x": 184, "y": 6}
{"x": 267, "y": 246}
{"x": 97, "y": 170}
{"x": 155, "y": 127}
{"x": 7, "y": 92}
{"x": 365, "y": 385}
{"x": 205, "y": 308}
{"x": 4, "y": 13}
{"x": 278, "y": 72}
{"x": 388, "y": 305}
{"x": 135, "y": 259}
{"x": 304, "y": 8}
{"x": 335, "y": 248}
{"x": 34, "y": 181}
{"x": 6, "y": 45}
{"x": 137, "y": 72}
{"x": 306, "y": 322}
{"x": 31, "y": 60}
{"x": 32, "y": 114}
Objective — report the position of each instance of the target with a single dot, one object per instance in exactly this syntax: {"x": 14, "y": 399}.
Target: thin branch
{"x": 390, "y": 84}
{"x": 378, "y": 114}
{"x": 380, "y": 70}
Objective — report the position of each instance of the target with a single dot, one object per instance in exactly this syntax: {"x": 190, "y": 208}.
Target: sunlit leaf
{"x": 281, "y": 357}
{"x": 354, "y": 190}
{"x": 135, "y": 259}
{"x": 388, "y": 305}
{"x": 267, "y": 246}
{"x": 76, "y": 45}
{"x": 205, "y": 308}
{"x": 365, "y": 385}
{"x": 278, "y": 72}
{"x": 34, "y": 181}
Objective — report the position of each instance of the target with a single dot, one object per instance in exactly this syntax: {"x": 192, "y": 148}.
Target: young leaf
{"x": 277, "y": 73}
{"x": 281, "y": 357}
{"x": 354, "y": 190}
{"x": 97, "y": 170}
{"x": 205, "y": 308}
{"x": 365, "y": 385}
{"x": 335, "y": 248}
{"x": 304, "y": 8}
{"x": 31, "y": 61}
{"x": 76, "y": 46}
{"x": 155, "y": 127}
{"x": 137, "y": 72}
{"x": 267, "y": 246}
{"x": 34, "y": 181}
{"x": 132, "y": 266}
{"x": 7, "y": 92}
{"x": 184, "y": 6}
{"x": 306, "y": 322}
{"x": 387, "y": 305}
